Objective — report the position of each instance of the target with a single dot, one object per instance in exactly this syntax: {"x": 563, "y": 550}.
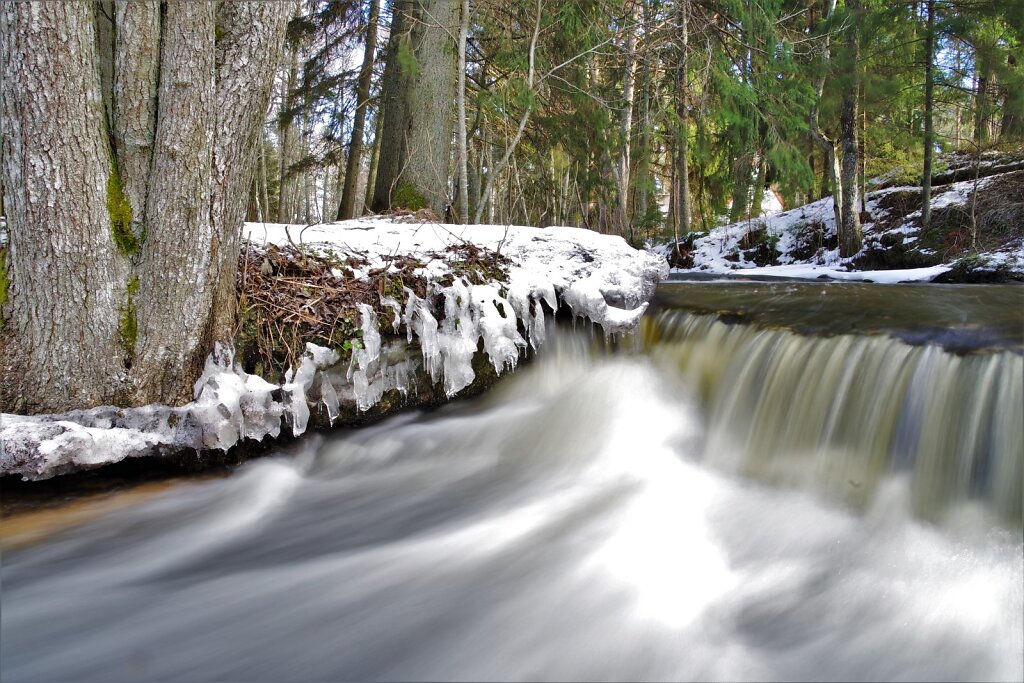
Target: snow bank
{"x": 788, "y": 234}
{"x": 229, "y": 406}
{"x": 599, "y": 277}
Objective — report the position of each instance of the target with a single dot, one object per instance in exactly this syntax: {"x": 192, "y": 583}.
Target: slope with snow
{"x": 801, "y": 242}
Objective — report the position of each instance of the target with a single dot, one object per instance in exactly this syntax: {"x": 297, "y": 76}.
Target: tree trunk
{"x": 394, "y": 84}
{"x": 494, "y": 171}
{"x": 431, "y": 122}
{"x": 67, "y": 277}
{"x": 251, "y": 34}
{"x": 371, "y": 174}
{"x": 286, "y": 136}
{"x": 982, "y": 104}
{"x": 682, "y": 194}
{"x": 831, "y": 171}
{"x": 136, "y": 78}
{"x": 346, "y": 208}
{"x": 140, "y": 257}
{"x": 1011, "y": 128}
{"x": 929, "y": 141}
{"x": 418, "y": 107}
{"x": 850, "y": 238}
{"x": 178, "y": 211}
{"x": 105, "y": 38}
{"x": 626, "y": 124}
{"x": 462, "y": 150}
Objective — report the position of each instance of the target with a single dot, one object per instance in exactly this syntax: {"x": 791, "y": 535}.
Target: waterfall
{"x": 837, "y": 413}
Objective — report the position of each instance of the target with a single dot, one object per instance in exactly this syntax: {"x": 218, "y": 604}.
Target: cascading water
{"x": 837, "y": 414}
{"x": 731, "y": 503}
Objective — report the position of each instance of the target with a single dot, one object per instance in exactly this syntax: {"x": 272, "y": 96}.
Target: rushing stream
{"x": 727, "y": 502}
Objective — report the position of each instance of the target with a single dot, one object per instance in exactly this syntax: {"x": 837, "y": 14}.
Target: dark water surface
{"x": 957, "y": 317}
{"x": 727, "y": 503}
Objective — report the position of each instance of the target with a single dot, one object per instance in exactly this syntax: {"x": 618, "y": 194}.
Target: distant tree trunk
{"x": 983, "y": 58}
{"x": 261, "y": 169}
{"x": 139, "y": 256}
{"x": 743, "y": 167}
{"x": 286, "y": 137}
{"x": 682, "y": 171}
{"x": 1011, "y": 128}
{"x": 418, "y": 106}
{"x": 643, "y": 179}
{"x": 626, "y": 124}
{"x": 494, "y": 171}
{"x": 832, "y": 171}
{"x": 371, "y": 174}
{"x": 929, "y": 137}
{"x": 461, "y": 150}
{"x": 394, "y": 84}
{"x": 850, "y": 238}
{"x": 346, "y": 209}
{"x": 757, "y": 195}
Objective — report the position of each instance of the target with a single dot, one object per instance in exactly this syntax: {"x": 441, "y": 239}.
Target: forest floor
{"x": 976, "y": 233}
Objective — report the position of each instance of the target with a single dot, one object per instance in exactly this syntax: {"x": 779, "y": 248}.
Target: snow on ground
{"x": 599, "y": 277}
{"x": 789, "y": 234}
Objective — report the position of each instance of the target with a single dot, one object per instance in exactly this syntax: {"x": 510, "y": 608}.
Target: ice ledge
{"x": 599, "y": 277}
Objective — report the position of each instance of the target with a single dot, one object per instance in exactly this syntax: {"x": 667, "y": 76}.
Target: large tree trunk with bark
{"x": 67, "y": 276}
{"x": 123, "y": 260}
{"x": 418, "y": 106}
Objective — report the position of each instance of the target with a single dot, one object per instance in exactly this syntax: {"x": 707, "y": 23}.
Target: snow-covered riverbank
{"x": 802, "y": 242}
{"x": 597, "y": 277}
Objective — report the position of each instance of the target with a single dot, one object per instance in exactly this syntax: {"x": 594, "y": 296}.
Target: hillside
{"x": 801, "y": 242}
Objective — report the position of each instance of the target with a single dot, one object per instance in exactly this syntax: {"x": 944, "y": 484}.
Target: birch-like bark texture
{"x": 626, "y": 124}
{"x": 67, "y": 279}
{"x": 136, "y": 74}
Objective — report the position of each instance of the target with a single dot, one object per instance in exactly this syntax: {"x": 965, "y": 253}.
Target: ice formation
{"x": 599, "y": 277}
{"x": 229, "y": 405}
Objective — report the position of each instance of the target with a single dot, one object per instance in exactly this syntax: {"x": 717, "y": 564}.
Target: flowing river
{"x": 831, "y": 491}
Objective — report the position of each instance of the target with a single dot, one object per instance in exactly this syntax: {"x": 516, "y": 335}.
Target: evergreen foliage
{"x": 751, "y": 70}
